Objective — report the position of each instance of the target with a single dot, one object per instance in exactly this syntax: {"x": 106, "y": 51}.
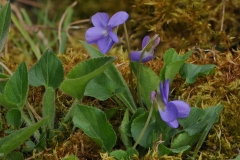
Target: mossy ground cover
{"x": 182, "y": 25}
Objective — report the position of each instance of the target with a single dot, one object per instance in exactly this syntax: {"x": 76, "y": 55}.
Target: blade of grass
{"x": 64, "y": 35}
{"x": 26, "y": 36}
{"x": 61, "y": 22}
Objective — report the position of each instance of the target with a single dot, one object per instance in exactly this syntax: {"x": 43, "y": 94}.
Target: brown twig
{"x": 223, "y": 14}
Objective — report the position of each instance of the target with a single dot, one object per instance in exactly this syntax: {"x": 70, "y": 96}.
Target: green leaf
{"x": 190, "y": 72}
{"x": 17, "y": 86}
{"x": 14, "y": 140}
{"x": 4, "y": 76}
{"x": 195, "y": 122}
{"x": 81, "y": 74}
{"x": 123, "y": 130}
{"x": 135, "y": 115}
{"x": 198, "y": 119}
{"x": 1, "y": 123}
{"x": 148, "y": 80}
{"x": 2, "y": 86}
{"x": 114, "y": 76}
{"x": 14, "y": 118}
{"x": 119, "y": 155}
{"x": 94, "y": 123}
{"x": 102, "y": 87}
{"x": 49, "y": 107}
{"x": 131, "y": 152}
{"x": 163, "y": 150}
{"x": 5, "y": 103}
{"x": 111, "y": 112}
{"x": 137, "y": 126}
{"x": 5, "y": 19}
{"x": 48, "y": 71}
{"x": 172, "y": 69}
{"x": 212, "y": 115}
{"x": 15, "y": 156}
{"x": 28, "y": 146}
{"x": 237, "y": 158}
{"x": 183, "y": 139}
{"x": 172, "y": 64}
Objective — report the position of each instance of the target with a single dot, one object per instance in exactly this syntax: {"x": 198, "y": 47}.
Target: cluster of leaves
{"x": 80, "y": 81}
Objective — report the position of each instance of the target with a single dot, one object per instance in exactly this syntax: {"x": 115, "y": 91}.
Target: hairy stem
{"x": 144, "y": 128}
{"x": 130, "y": 61}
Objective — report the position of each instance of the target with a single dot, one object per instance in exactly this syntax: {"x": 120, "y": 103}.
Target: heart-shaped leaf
{"x": 15, "y": 156}
{"x": 5, "y": 19}
{"x": 102, "y": 87}
{"x": 81, "y": 74}
{"x": 191, "y": 71}
{"x": 148, "y": 136}
{"x": 183, "y": 139}
{"x": 198, "y": 119}
{"x": 48, "y": 71}
{"x": 163, "y": 150}
{"x": 123, "y": 130}
{"x": 14, "y": 140}
{"x": 114, "y": 76}
{"x": 5, "y": 103}
{"x": 172, "y": 64}
{"x": 147, "y": 80}
{"x": 94, "y": 123}
{"x": 14, "y": 118}
{"x": 16, "y": 88}
{"x": 194, "y": 123}
{"x": 212, "y": 115}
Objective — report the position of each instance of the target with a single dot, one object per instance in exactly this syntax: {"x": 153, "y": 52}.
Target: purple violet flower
{"x": 104, "y": 31}
{"x": 148, "y": 54}
{"x": 169, "y": 111}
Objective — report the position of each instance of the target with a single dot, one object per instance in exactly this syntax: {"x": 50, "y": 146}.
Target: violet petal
{"x": 182, "y": 107}
{"x": 94, "y": 34}
{"x": 164, "y": 89}
{"x": 147, "y": 57}
{"x": 100, "y": 19}
{"x": 135, "y": 55}
{"x": 113, "y": 36}
{"x": 156, "y": 42}
{"x": 117, "y": 19}
{"x": 105, "y": 44}
{"x": 145, "y": 41}
{"x": 173, "y": 124}
{"x": 170, "y": 112}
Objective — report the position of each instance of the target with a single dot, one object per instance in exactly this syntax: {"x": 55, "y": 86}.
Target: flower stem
{"x": 127, "y": 39}
{"x": 138, "y": 86}
{"x": 130, "y": 61}
{"x": 29, "y": 123}
{"x": 144, "y": 128}
{"x": 68, "y": 116}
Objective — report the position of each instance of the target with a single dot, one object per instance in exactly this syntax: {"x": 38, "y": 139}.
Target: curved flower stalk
{"x": 148, "y": 54}
{"x": 169, "y": 111}
{"x": 104, "y": 32}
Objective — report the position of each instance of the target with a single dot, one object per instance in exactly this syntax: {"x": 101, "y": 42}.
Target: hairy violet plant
{"x": 141, "y": 127}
